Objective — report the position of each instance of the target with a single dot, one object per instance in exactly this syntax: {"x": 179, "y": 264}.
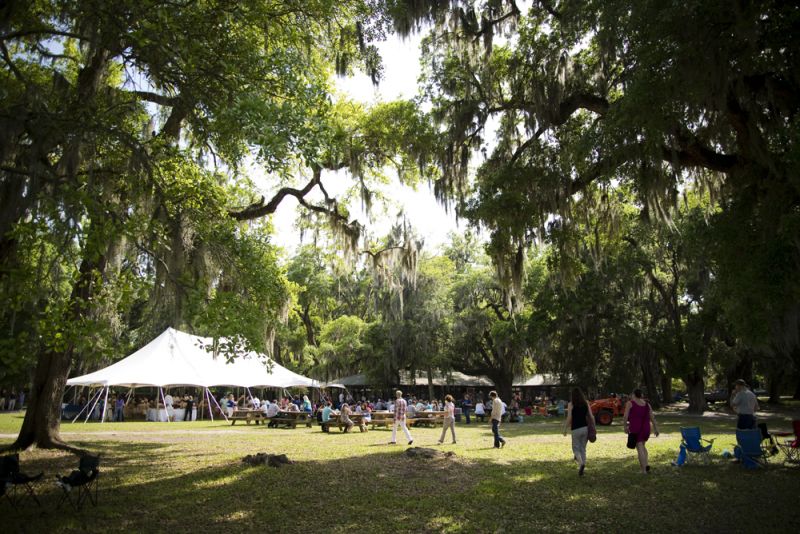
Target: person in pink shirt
{"x": 637, "y": 420}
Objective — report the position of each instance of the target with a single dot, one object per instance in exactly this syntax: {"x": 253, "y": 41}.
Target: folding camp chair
{"x": 768, "y": 442}
{"x": 791, "y": 447}
{"x": 692, "y": 440}
{"x": 16, "y": 485}
{"x": 84, "y": 480}
{"x": 748, "y": 449}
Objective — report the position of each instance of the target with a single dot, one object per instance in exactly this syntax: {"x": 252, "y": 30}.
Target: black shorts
{"x": 632, "y": 438}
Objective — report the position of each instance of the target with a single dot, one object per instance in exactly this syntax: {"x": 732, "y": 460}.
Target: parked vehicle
{"x": 604, "y": 410}
{"x": 718, "y": 395}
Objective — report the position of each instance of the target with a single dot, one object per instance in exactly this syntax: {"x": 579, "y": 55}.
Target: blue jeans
{"x": 746, "y": 421}
{"x": 465, "y": 411}
{"x": 498, "y": 439}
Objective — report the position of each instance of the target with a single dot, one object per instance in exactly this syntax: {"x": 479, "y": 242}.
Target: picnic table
{"x": 291, "y": 419}
{"x": 382, "y": 418}
{"x": 427, "y": 418}
{"x": 245, "y": 414}
{"x": 356, "y": 418}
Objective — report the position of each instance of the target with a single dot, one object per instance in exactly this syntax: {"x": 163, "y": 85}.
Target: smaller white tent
{"x": 176, "y": 358}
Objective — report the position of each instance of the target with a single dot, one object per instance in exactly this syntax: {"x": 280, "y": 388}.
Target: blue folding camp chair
{"x": 693, "y": 442}
{"x": 748, "y": 449}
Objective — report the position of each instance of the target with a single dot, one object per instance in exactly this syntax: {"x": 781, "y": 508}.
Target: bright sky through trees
{"x": 430, "y": 219}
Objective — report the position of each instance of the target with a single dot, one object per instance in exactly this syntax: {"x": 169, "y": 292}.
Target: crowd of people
{"x": 12, "y": 399}
{"x": 638, "y": 420}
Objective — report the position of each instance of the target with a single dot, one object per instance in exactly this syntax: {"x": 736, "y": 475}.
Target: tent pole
{"x": 249, "y": 393}
{"x": 96, "y": 400}
{"x": 165, "y": 404}
{"x": 105, "y": 406}
{"x": 84, "y": 408}
{"x": 208, "y": 404}
{"x": 220, "y": 407}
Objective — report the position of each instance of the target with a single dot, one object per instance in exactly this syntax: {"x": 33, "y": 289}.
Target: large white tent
{"x": 176, "y": 358}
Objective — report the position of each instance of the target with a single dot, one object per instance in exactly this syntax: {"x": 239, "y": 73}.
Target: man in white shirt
{"x": 497, "y": 415}
{"x": 745, "y": 403}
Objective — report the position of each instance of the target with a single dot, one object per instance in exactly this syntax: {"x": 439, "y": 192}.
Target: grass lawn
{"x": 188, "y": 477}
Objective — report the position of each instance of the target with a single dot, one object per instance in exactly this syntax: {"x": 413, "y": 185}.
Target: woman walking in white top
{"x": 449, "y": 418}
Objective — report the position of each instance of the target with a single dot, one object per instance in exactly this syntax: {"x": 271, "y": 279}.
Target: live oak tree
{"x": 124, "y": 130}
{"x": 645, "y": 95}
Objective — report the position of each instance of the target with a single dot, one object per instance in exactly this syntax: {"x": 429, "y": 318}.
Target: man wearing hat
{"x": 745, "y": 404}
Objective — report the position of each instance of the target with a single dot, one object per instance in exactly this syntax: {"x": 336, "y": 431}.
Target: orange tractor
{"x": 604, "y": 410}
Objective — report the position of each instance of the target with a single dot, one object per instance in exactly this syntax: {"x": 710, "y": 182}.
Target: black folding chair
{"x": 768, "y": 442}
{"x": 82, "y": 481}
{"x": 16, "y": 485}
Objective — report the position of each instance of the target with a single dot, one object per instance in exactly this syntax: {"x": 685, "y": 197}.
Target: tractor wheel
{"x": 604, "y": 417}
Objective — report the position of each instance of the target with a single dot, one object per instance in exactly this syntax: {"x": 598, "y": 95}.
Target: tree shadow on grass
{"x": 144, "y": 489}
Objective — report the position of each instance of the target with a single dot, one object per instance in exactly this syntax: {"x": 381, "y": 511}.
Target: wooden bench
{"x": 291, "y": 419}
{"x": 426, "y": 419}
{"x": 255, "y": 416}
{"x": 385, "y": 419}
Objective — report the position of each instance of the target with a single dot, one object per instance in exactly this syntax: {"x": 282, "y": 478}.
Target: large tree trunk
{"x": 41, "y": 426}
{"x": 430, "y": 384}
{"x": 695, "y": 387}
{"x": 503, "y": 383}
{"x": 649, "y": 365}
{"x": 775, "y": 380}
{"x": 42, "y": 423}
{"x": 305, "y": 316}
{"x": 666, "y": 387}
{"x": 796, "y": 395}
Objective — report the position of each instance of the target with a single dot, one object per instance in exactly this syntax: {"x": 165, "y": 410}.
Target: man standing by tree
{"x": 745, "y": 403}
{"x": 497, "y": 415}
{"x": 400, "y": 418}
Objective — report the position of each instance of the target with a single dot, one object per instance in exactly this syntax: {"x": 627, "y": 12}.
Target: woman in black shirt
{"x": 578, "y": 415}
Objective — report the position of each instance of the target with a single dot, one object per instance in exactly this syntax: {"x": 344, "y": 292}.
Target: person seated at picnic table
{"x": 358, "y": 409}
{"x": 318, "y": 411}
{"x": 366, "y": 412}
{"x": 292, "y": 407}
{"x": 379, "y": 405}
{"x": 230, "y": 404}
{"x": 272, "y": 412}
{"x": 420, "y": 407}
{"x": 325, "y": 416}
{"x": 480, "y": 410}
{"x": 389, "y": 406}
{"x": 435, "y": 406}
{"x": 344, "y": 417}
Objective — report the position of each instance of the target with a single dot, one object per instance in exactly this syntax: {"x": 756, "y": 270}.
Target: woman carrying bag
{"x": 638, "y": 417}
{"x": 581, "y": 421}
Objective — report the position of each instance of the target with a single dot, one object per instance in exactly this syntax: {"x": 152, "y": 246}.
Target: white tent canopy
{"x": 176, "y": 358}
